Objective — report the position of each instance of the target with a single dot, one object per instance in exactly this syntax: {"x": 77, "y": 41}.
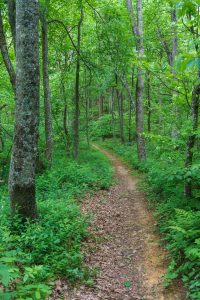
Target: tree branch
{"x": 5, "y": 55}
{"x": 71, "y": 39}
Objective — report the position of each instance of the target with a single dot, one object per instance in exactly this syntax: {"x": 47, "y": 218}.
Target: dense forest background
{"x": 124, "y": 74}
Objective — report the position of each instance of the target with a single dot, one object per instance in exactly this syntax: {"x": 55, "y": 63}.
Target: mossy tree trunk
{"x": 24, "y": 153}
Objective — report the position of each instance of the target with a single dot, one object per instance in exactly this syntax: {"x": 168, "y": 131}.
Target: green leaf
{"x": 37, "y": 295}
{"x": 5, "y": 275}
{"x": 193, "y": 63}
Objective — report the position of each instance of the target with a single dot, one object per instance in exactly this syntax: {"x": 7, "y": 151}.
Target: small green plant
{"x": 127, "y": 284}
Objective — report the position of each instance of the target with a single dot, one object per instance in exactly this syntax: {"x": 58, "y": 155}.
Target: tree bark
{"x": 6, "y": 57}
{"x": 77, "y": 95}
{"x": 140, "y": 88}
{"x": 47, "y": 92}
{"x": 24, "y": 153}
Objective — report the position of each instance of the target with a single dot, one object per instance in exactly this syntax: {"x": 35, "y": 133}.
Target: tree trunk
{"x": 138, "y": 34}
{"x": 173, "y": 57}
{"x": 160, "y": 115}
{"x": 129, "y": 5}
{"x": 77, "y": 96}
{"x": 12, "y": 19}
{"x": 24, "y": 154}
{"x": 65, "y": 127}
{"x": 1, "y": 132}
{"x": 5, "y": 55}
{"x": 87, "y": 103}
{"x": 101, "y": 105}
{"x": 140, "y": 88}
{"x": 110, "y": 103}
{"x": 1, "y": 138}
{"x": 121, "y": 116}
{"x": 149, "y": 101}
{"x": 65, "y": 120}
{"x": 192, "y": 137}
{"x": 47, "y": 92}
{"x": 65, "y": 113}
{"x": 113, "y": 112}
{"x": 129, "y": 120}
{"x": 175, "y": 38}
{"x": 131, "y": 108}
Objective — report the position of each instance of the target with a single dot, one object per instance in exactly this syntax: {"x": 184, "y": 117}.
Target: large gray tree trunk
{"x": 47, "y": 92}
{"x": 24, "y": 154}
{"x": 140, "y": 87}
{"x": 5, "y": 55}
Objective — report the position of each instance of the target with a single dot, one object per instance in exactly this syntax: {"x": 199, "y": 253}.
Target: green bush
{"x": 102, "y": 128}
{"x": 32, "y": 255}
{"x": 182, "y": 235}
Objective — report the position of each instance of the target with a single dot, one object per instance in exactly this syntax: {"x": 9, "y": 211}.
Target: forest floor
{"x": 124, "y": 246}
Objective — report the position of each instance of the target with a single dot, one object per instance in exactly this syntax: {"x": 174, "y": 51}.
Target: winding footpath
{"x": 124, "y": 247}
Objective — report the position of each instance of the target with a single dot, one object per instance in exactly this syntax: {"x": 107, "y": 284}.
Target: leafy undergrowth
{"x": 32, "y": 256}
{"x": 178, "y": 217}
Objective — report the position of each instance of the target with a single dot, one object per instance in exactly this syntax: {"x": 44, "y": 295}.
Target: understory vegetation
{"x": 33, "y": 255}
{"x": 178, "y": 218}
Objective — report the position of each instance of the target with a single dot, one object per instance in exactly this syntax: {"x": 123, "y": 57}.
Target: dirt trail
{"x": 125, "y": 247}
